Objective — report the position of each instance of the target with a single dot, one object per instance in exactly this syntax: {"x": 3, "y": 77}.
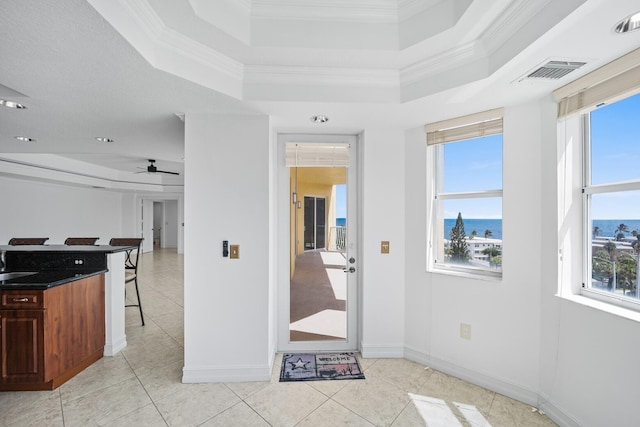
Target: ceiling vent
{"x": 552, "y": 70}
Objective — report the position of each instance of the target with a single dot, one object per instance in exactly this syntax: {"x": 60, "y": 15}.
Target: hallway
{"x": 318, "y": 297}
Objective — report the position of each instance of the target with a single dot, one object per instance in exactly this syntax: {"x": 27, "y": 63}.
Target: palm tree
{"x": 611, "y": 249}
{"x": 473, "y": 234}
{"x": 622, "y": 228}
{"x": 487, "y": 233}
{"x": 626, "y": 273}
{"x": 636, "y": 245}
{"x": 596, "y": 231}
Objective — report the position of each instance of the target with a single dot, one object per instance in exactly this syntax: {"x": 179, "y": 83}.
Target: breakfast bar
{"x": 61, "y": 309}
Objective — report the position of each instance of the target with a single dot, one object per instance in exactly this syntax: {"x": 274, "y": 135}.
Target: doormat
{"x": 320, "y": 366}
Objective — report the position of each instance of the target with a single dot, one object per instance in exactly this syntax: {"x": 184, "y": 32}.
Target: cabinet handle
{"x": 21, "y": 299}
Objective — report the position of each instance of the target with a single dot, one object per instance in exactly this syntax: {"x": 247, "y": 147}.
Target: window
{"x": 466, "y": 220}
{"x": 611, "y": 200}
{"x": 608, "y": 105}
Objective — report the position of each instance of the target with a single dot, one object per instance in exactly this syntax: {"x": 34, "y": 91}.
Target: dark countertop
{"x": 55, "y": 265}
{"x": 65, "y": 248}
{"x": 47, "y": 279}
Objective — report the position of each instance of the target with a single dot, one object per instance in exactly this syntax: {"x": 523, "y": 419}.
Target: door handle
{"x": 349, "y": 270}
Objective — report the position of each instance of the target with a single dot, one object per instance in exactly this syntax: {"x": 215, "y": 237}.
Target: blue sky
{"x": 476, "y": 164}
{"x": 615, "y": 138}
{"x": 341, "y": 201}
{"x": 473, "y": 165}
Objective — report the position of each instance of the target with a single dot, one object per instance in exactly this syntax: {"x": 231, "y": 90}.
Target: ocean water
{"x": 341, "y": 222}
{"x": 479, "y": 225}
{"x": 607, "y": 226}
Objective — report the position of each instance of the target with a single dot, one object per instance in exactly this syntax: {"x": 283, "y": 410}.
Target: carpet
{"x": 320, "y": 366}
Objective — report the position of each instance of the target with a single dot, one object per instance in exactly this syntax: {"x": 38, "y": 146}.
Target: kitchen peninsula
{"x": 61, "y": 309}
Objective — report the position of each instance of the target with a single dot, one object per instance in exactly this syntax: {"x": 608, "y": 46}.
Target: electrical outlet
{"x": 465, "y": 331}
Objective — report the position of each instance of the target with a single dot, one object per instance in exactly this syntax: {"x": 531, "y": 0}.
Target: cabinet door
{"x": 21, "y": 346}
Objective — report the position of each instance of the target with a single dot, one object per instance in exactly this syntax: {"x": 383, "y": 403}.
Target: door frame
{"x": 149, "y": 198}
{"x": 315, "y": 219}
{"x": 354, "y": 311}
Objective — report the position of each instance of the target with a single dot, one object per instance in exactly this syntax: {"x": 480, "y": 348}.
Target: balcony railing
{"x": 338, "y": 239}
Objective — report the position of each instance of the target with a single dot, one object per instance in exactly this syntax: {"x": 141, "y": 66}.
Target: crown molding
{"x": 321, "y": 76}
{"x": 174, "y": 52}
{"x": 186, "y": 46}
{"x": 181, "y": 44}
{"x": 510, "y": 21}
{"x": 169, "y": 50}
{"x": 370, "y": 11}
{"x": 437, "y": 64}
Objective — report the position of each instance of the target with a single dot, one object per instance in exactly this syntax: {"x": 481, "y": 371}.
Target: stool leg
{"x": 139, "y": 302}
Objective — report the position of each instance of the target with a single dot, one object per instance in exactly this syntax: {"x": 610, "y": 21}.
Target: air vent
{"x": 550, "y": 71}
{"x": 554, "y": 70}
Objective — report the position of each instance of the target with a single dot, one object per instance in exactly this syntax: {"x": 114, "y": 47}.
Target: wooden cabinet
{"x": 21, "y": 341}
{"x": 48, "y": 336}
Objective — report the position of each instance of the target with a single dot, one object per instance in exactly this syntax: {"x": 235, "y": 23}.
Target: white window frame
{"x": 588, "y": 190}
{"x": 614, "y": 81}
{"x": 450, "y": 132}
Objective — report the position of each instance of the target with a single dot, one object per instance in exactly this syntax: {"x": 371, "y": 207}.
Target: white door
{"x": 344, "y": 278}
{"x": 147, "y": 225}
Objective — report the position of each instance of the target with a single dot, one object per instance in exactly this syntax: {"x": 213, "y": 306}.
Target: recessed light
{"x": 629, "y": 23}
{"x": 25, "y": 139}
{"x": 103, "y": 139}
{"x": 319, "y": 119}
{"x": 12, "y": 104}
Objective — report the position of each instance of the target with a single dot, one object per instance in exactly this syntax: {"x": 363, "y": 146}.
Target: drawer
{"x": 21, "y": 299}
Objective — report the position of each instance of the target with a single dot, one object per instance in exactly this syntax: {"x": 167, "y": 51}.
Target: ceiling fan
{"x": 151, "y": 168}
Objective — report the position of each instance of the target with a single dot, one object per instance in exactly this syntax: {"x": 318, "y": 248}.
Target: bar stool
{"x": 131, "y": 265}
{"x": 81, "y": 241}
{"x": 20, "y": 241}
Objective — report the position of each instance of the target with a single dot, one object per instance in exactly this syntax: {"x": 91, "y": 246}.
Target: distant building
{"x": 623, "y": 246}
{"x": 477, "y": 245}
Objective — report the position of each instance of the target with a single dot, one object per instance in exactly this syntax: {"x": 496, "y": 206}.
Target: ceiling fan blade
{"x": 171, "y": 173}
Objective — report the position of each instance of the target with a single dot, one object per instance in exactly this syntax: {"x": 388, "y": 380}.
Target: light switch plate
{"x": 384, "y": 247}
{"x": 234, "y": 251}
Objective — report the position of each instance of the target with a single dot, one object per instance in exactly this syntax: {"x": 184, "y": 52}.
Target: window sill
{"x": 467, "y": 274}
{"x": 602, "y": 305}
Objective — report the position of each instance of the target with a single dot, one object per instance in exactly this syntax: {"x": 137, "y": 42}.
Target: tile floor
{"x": 141, "y": 385}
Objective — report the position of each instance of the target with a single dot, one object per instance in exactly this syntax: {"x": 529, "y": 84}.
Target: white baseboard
{"x": 503, "y": 387}
{"x": 558, "y": 416}
{"x": 225, "y": 374}
{"x": 381, "y": 351}
{"x": 111, "y": 349}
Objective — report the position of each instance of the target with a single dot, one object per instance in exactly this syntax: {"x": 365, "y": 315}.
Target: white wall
{"x": 576, "y": 362}
{"x": 382, "y": 275}
{"x": 589, "y": 355}
{"x": 34, "y": 209}
{"x": 504, "y": 315}
{"x": 418, "y": 285}
{"x": 226, "y": 301}
{"x": 130, "y": 225}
